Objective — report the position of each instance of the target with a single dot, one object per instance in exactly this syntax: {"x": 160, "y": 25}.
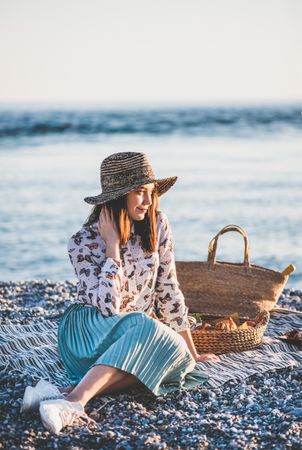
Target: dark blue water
{"x": 235, "y": 165}
{"x": 211, "y": 121}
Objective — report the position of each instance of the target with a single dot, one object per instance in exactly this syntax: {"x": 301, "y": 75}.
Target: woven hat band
{"x": 126, "y": 169}
{"x": 121, "y": 162}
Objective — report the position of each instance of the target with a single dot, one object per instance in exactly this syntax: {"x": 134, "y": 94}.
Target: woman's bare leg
{"x": 67, "y": 389}
{"x": 121, "y": 385}
{"x": 98, "y": 379}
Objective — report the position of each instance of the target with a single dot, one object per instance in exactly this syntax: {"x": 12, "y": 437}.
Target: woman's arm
{"x": 186, "y": 334}
{"x": 170, "y": 300}
{"x": 99, "y": 276}
{"x": 98, "y": 268}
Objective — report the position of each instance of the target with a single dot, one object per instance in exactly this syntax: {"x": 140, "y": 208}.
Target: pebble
{"x": 110, "y": 434}
{"x": 264, "y": 411}
{"x": 296, "y": 412}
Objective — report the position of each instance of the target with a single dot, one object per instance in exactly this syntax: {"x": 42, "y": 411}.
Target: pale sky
{"x": 136, "y": 51}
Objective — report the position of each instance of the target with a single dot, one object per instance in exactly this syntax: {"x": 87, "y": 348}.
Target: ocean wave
{"x": 16, "y": 123}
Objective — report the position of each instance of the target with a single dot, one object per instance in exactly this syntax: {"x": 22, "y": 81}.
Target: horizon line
{"x": 149, "y": 104}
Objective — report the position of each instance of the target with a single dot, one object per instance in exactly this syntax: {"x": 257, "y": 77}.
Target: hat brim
{"x": 163, "y": 185}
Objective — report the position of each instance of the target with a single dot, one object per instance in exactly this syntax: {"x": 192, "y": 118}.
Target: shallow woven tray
{"x": 221, "y": 341}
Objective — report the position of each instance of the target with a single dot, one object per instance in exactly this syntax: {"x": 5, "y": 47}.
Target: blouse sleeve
{"x": 100, "y": 278}
{"x": 170, "y": 300}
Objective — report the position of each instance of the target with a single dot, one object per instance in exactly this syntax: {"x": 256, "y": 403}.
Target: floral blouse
{"x": 136, "y": 283}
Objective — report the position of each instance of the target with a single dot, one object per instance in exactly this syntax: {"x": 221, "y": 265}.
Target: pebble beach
{"x": 263, "y": 412}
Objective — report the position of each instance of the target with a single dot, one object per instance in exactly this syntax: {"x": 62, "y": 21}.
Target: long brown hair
{"x": 146, "y": 228}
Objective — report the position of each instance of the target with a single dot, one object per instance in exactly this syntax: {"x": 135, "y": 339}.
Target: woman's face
{"x": 139, "y": 200}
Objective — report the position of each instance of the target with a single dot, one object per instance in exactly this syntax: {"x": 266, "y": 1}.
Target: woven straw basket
{"x": 221, "y": 341}
{"x": 220, "y": 288}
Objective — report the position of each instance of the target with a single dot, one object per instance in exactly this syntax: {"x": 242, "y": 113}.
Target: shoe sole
{"x": 46, "y": 419}
{"x": 29, "y": 401}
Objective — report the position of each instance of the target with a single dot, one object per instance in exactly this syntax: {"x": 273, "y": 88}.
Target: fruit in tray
{"x": 229, "y": 323}
{"x": 294, "y": 334}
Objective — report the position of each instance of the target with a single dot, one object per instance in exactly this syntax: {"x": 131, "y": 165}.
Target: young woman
{"x": 109, "y": 339}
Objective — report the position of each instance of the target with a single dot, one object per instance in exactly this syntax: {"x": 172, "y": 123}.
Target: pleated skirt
{"x": 132, "y": 342}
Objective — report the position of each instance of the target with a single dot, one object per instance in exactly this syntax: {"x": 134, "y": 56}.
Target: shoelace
{"x": 69, "y": 415}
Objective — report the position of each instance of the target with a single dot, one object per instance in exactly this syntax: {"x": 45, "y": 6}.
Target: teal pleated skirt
{"x": 133, "y": 342}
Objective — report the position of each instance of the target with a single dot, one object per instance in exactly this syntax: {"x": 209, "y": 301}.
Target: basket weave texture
{"x": 220, "y": 288}
{"x": 222, "y": 341}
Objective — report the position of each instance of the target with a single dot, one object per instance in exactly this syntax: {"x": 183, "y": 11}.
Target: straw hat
{"x": 123, "y": 172}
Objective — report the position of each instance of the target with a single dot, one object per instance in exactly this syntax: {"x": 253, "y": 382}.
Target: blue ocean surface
{"x": 236, "y": 165}
{"x": 22, "y": 122}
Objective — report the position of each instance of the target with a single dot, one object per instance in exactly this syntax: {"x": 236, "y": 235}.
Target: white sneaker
{"x": 34, "y": 395}
{"x": 56, "y": 414}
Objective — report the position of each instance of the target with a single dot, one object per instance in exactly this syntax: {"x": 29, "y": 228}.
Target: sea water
{"x": 234, "y": 165}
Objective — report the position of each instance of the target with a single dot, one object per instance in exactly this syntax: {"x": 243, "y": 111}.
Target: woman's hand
{"x": 204, "y": 357}
{"x": 107, "y": 227}
{"x": 109, "y": 233}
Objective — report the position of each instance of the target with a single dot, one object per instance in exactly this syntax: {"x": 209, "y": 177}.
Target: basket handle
{"x": 213, "y": 244}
